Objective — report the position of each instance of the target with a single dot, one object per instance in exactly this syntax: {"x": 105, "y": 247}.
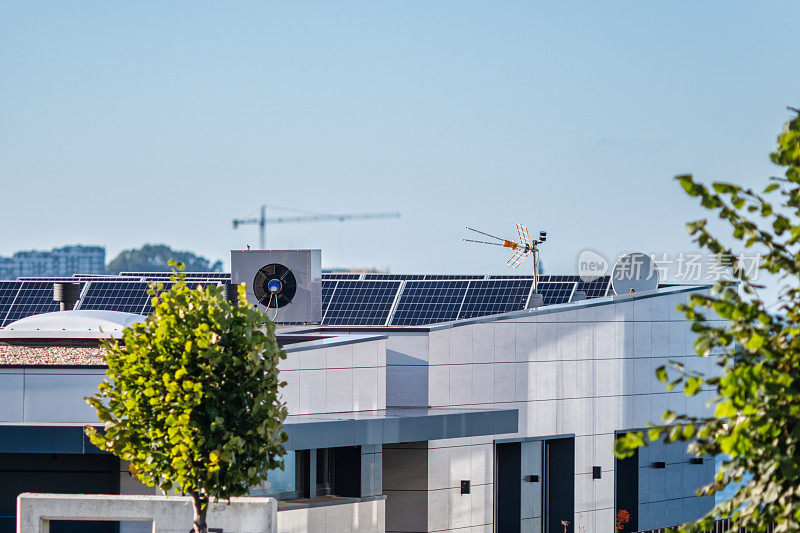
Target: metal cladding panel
{"x": 306, "y": 266}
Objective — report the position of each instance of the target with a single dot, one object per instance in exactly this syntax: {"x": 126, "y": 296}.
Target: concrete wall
{"x": 48, "y": 395}
{"x": 357, "y": 517}
{"x": 349, "y": 377}
{"x": 371, "y": 470}
{"x": 165, "y": 515}
{"x": 587, "y": 370}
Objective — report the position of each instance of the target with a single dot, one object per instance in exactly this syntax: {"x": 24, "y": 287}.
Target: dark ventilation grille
{"x": 274, "y": 285}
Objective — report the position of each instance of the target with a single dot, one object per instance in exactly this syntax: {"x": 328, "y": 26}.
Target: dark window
{"x": 332, "y": 471}
{"x": 56, "y": 473}
{"x": 508, "y": 490}
{"x": 559, "y": 476}
{"x": 626, "y": 475}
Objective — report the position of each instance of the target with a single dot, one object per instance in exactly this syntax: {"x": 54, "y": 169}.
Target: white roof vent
{"x": 71, "y": 325}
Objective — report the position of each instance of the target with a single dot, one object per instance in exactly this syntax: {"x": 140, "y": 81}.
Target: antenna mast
{"x": 522, "y": 249}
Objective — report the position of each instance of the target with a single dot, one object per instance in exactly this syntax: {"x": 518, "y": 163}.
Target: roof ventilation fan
{"x": 286, "y": 284}
{"x": 274, "y": 285}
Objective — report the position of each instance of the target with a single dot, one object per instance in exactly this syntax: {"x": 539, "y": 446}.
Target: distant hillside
{"x": 154, "y": 258}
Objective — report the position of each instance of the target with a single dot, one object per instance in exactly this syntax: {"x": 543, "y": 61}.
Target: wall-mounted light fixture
{"x": 658, "y": 464}
{"x": 465, "y": 486}
{"x": 696, "y": 460}
{"x": 597, "y": 472}
{"x": 531, "y": 479}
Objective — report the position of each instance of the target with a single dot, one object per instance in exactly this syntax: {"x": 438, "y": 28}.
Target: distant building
{"x": 63, "y": 261}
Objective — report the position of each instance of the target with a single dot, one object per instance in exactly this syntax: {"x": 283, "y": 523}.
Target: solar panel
{"x": 490, "y": 297}
{"x": 454, "y": 276}
{"x": 189, "y": 275}
{"x": 556, "y": 292}
{"x": 8, "y": 292}
{"x": 402, "y": 277}
{"x": 124, "y": 296}
{"x": 328, "y": 286}
{"x": 34, "y": 297}
{"x": 148, "y": 307}
{"x": 596, "y": 288}
{"x": 99, "y": 277}
{"x": 559, "y": 277}
{"x": 428, "y": 302}
{"x": 50, "y": 279}
{"x": 363, "y": 303}
{"x": 332, "y": 275}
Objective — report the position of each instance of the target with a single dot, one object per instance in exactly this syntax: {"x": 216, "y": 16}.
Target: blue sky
{"x": 126, "y": 123}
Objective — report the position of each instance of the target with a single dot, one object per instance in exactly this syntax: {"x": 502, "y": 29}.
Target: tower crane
{"x": 262, "y": 220}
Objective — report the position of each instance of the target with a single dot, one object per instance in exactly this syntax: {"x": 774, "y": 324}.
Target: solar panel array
{"x": 341, "y": 276}
{"x": 8, "y": 292}
{"x": 363, "y": 303}
{"x": 347, "y": 299}
{"x": 596, "y": 288}
{"x": 556, "y": 292}
{"x": 491, "y": 297}
{"x": 126, "y": 296}
{"x": 222, "y": 276}
{"x": 429, "y": 302}
{"x": 32, "y": 298}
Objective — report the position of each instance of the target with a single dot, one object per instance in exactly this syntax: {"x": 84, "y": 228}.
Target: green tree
{"x": 756, "y": 423}
{"x": 156, "y": 257}
{"x": 191, "y": 399}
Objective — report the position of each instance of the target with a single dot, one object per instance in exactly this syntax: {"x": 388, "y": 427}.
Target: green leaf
{"x": 693, "y": 386}
{"x": 755, "y": 342}
{"x": 725, "y": 410}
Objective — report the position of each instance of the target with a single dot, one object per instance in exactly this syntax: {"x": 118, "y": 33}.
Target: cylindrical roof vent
{"x": 66, "y": 294}
{"x": 232, "y": 292}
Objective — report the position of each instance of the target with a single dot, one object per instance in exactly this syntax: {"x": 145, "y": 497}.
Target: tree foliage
{"x": 191, "y": 399}
{"x": 756, "y": 421}
{"x": 156, "y": 257}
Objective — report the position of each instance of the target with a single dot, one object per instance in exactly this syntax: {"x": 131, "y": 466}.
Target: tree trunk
{"x": 200, "y": 507}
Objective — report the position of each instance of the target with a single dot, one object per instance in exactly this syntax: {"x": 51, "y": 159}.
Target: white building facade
{"x": 503, "y": 423}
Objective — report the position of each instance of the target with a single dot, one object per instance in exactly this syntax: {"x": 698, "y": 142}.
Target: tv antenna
{"x": 522, "y": 249}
